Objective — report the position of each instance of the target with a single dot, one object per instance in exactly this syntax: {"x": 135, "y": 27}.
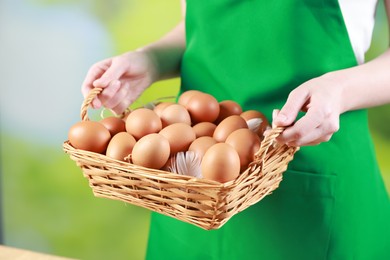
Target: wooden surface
{"x": 10, "y": 253}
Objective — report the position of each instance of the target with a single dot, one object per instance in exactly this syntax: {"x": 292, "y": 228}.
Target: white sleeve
{"x": 359, "y": 18}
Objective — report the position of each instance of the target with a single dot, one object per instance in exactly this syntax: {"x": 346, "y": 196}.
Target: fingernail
{"x": 275, "y": 113}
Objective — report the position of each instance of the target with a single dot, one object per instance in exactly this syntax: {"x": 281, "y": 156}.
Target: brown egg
{"x": 114, "y": 124}
{"x": 90, "y": 136}
{"x": 179, "y": 136}
{"x": 161, "y": 106}
{"x": 246, "y": 143}
{"x": 203, "y": 108}
{"x": 120, "y": 146}
{"x": 175, "y": 113}
{"x": 220, "y": 163}
{"x": 228, "y": 108}
{"x": 142, "y": 122}
{"x": 151, "y": 151}
{"x": 201, "y": 144}
{"x": 252, "y": 114}
{"x": 228, "y": 126}
{"x": 204, "y": 129}
{"x": 186, "y": 95}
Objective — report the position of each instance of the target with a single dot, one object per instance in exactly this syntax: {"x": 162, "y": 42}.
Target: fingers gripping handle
{"x": 269, "y": 141}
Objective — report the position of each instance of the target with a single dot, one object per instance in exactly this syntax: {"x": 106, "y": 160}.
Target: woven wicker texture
{"x": 204, "y": 203}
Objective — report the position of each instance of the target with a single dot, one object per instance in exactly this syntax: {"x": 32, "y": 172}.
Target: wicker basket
{"x": 204, "y": 203}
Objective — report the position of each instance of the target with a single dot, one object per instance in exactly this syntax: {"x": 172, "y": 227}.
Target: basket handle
{"x": 87, "y": 101}
{"x": 268, "y": 141}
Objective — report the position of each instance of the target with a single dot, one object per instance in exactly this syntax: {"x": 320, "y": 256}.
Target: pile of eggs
{"x": 197, "y": 134}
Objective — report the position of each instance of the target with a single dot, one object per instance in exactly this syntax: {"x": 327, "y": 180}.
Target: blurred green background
{"x": 46, "y": 49}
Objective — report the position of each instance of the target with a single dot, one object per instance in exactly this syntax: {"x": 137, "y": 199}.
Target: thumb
{"x": 289, "y": 112}
{"x": 114, "y": 72}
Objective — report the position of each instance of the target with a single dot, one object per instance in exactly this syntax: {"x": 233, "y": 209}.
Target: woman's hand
{"x": 123, "y": 79}
{"x": 321, "y": 98}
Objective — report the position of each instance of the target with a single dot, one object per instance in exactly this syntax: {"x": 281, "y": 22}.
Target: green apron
{"x": 332, "y": 203}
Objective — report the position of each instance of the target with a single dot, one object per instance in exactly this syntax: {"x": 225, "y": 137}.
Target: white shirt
{"x": 359, "y": 18}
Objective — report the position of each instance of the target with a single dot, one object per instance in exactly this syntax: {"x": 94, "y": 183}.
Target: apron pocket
{"x": 308, "y": 184}
{"x": 300, "y": 213}
{"x": 293, "y": 222}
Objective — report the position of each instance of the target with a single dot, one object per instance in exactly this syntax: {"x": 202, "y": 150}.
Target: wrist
{"x": 153, "y": 71}
{"x": 339, "y": 80}
{"x": 165, "y": 60}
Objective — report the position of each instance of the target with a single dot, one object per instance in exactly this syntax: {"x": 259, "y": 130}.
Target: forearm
{"x": 366, "y": 85}
{"x": 167, "y": 52}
